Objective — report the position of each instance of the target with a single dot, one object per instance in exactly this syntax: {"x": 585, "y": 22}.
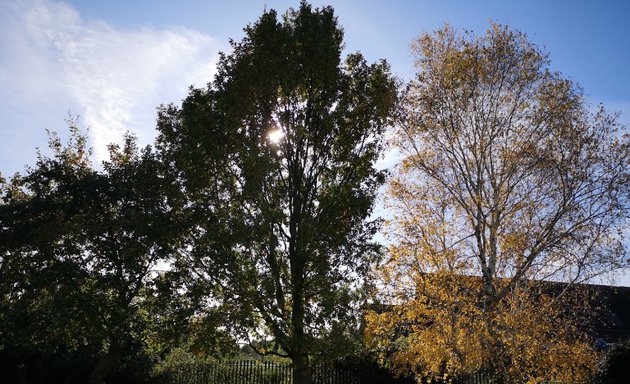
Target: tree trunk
{"x": 298, "y": 354}
{"x": 302, "y": 373}
{"x": 106, "y": 364}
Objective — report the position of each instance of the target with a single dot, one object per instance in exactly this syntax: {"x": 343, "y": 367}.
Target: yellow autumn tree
{"x": 509, "y": 181}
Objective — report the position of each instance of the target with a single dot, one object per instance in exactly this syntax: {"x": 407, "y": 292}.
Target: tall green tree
{"x": 277, "y": 159}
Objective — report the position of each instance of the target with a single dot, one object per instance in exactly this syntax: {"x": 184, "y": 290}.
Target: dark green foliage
{"x": 257, "y": 238}
{"x": 615, "y": 366}
{"x": 79, "y": 248}
{"x": 279, "y": 228}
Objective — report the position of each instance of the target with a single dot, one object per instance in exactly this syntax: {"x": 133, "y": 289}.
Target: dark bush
{"x": 615, "y": 366}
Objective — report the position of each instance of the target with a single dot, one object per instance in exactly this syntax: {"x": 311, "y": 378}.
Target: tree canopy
{"x": 276, "y": 158}
{"x": 79, "y": 252}
{"x": 509, "y": 179}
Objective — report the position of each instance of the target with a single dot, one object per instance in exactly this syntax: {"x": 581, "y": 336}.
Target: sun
{"x": 275, "y": 135}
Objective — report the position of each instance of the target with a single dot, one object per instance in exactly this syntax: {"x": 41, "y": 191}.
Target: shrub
{"x": 614, "y": 367}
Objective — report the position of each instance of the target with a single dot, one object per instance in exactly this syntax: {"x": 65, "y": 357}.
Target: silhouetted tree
{"x": 276, "y": 158}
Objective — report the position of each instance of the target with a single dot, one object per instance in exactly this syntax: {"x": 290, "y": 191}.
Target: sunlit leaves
{"x": 508, "y": 177}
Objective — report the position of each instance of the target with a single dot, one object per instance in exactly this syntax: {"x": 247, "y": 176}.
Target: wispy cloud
{"x": 114, "y": 78}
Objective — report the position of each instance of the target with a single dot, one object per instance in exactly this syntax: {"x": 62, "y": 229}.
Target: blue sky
{"x": 588, "y": 40}
{"x": 113, "y": 62}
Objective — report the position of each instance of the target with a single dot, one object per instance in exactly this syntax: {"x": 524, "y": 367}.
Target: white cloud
{"x": 114, "y": 78}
